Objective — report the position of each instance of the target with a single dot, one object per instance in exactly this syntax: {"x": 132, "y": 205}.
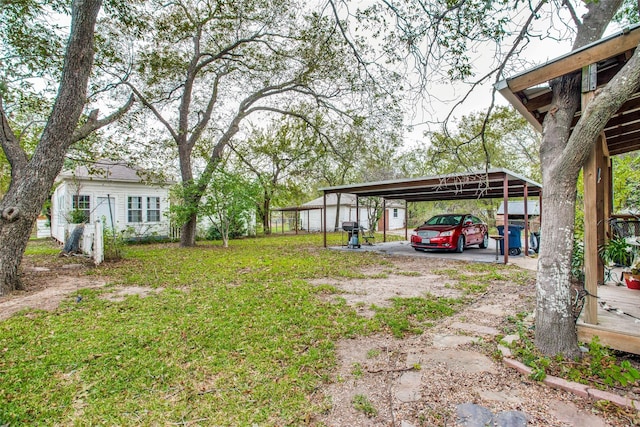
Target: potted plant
{"x": 632, "y": 275}
{"x": 617, "y": 252}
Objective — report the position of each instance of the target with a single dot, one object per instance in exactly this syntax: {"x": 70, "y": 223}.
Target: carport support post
{"x": 384, "y": 219}
{"x": 324, "y": 218}
{"x": 526, "y": 220}
{"x": 406, "y": 220}
{"x": 505, "y": 192}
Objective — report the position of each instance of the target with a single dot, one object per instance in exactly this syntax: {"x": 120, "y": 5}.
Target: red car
{"x": 450, "y": 232}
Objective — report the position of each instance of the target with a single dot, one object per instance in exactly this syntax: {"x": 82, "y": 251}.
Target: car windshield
{"x": 445, "y": 220}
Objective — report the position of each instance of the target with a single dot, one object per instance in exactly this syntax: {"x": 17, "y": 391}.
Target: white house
{"x": 311, "y": 213}
{"x": 118, "y": 195}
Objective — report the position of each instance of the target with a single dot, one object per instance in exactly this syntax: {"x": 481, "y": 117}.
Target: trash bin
{"x": 515, "y": 241}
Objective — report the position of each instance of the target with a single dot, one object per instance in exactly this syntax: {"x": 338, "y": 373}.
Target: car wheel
{"x": 460, "y": 245}
{"x": 485, "y": 241}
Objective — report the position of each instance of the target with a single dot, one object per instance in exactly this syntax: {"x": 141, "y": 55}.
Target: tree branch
{"x": 15, "y": 154}
{"x": 599, "y": 110}
{"x": 154, "y": 110}
{"x": 204, "y": 121}
{"x": 572, "y": 12}
{"x": 94, "y": 124}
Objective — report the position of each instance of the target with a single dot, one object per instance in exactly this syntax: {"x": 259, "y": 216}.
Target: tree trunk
{"x": 562, "y": 156}
{"x": 555, "y": 325}
{"x": 32, "y": 179}
{"x": 14, "y": 235}
{"x": 336, "y": 226}
{"x": 266, "y": 223}
{"x": 188, "y": 232}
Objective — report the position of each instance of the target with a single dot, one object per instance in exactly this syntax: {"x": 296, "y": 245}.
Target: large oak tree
{"x": 32, "y": 176}
{"x": 203, "y": 67}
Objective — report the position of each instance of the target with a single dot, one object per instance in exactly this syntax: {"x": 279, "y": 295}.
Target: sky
{"x": 423, "y": 114}
{"x": 548, "y": 39}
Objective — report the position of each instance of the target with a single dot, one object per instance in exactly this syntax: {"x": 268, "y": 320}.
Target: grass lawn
{"x": 237, "y": 336}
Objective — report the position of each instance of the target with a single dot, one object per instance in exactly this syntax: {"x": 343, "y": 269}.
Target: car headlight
{"x": 446, "y": 233}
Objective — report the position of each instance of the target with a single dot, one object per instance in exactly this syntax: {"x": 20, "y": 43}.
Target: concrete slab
{"x": 473, "y": 254}
{"x": 463, "y": 361}
{"x": 474, "y": 328}
{"x": 452, "y": 341}
{"x": 569, "y": 413}
{"x": 408, "y": 388}
{"x": 500, "y": 396}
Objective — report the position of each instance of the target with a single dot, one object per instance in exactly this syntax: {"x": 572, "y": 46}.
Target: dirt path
{"x": 420, "y": 380}
{"x": 51, "y": 290}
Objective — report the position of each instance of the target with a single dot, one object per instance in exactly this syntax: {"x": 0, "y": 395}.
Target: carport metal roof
{"x": 488, "y": 184}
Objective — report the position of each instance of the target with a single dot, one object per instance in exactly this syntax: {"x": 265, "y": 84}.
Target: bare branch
{"x": 572, "y": 12}
{"x": 15, "y": 154}
{"x": 94, "y": 124}
{"x": 204, "y": 121}
{"x": 154, "y": 110}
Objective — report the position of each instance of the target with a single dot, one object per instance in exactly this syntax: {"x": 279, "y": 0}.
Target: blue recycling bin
{"x": 515, "y": 240}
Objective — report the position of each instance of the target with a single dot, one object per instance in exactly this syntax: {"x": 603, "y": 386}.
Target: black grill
{"x": 350, "y": 226}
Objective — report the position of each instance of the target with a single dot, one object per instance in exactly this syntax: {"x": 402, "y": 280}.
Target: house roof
{"x": 346, "y": 199}
{"x": 530, "y": 94}
{"x": 110, "y": 170}
{"x": 516, "y": 207}
{"x": 484, "y": 184}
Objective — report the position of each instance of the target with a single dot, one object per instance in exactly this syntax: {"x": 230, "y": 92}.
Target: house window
{"x": 134, "y": 209}
{"x": 395, "y": 212}
{"x": 81, "y": 205}
{"x": 153, "y": 209}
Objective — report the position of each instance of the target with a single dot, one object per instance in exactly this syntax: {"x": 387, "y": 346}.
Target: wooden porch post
{"x": 593, "y": 176}
{"x": 593, "y": 227}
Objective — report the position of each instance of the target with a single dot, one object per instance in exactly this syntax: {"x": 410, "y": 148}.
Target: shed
{"x": 517, "y": 213}
{"x": 310, "y": 215}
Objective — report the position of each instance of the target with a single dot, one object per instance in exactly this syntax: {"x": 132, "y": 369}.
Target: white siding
{"x": 312, "y": 220}
{"x": 119, "y": 191}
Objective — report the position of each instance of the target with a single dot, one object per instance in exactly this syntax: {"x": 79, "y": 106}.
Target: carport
{"x": 486, "y": 184}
